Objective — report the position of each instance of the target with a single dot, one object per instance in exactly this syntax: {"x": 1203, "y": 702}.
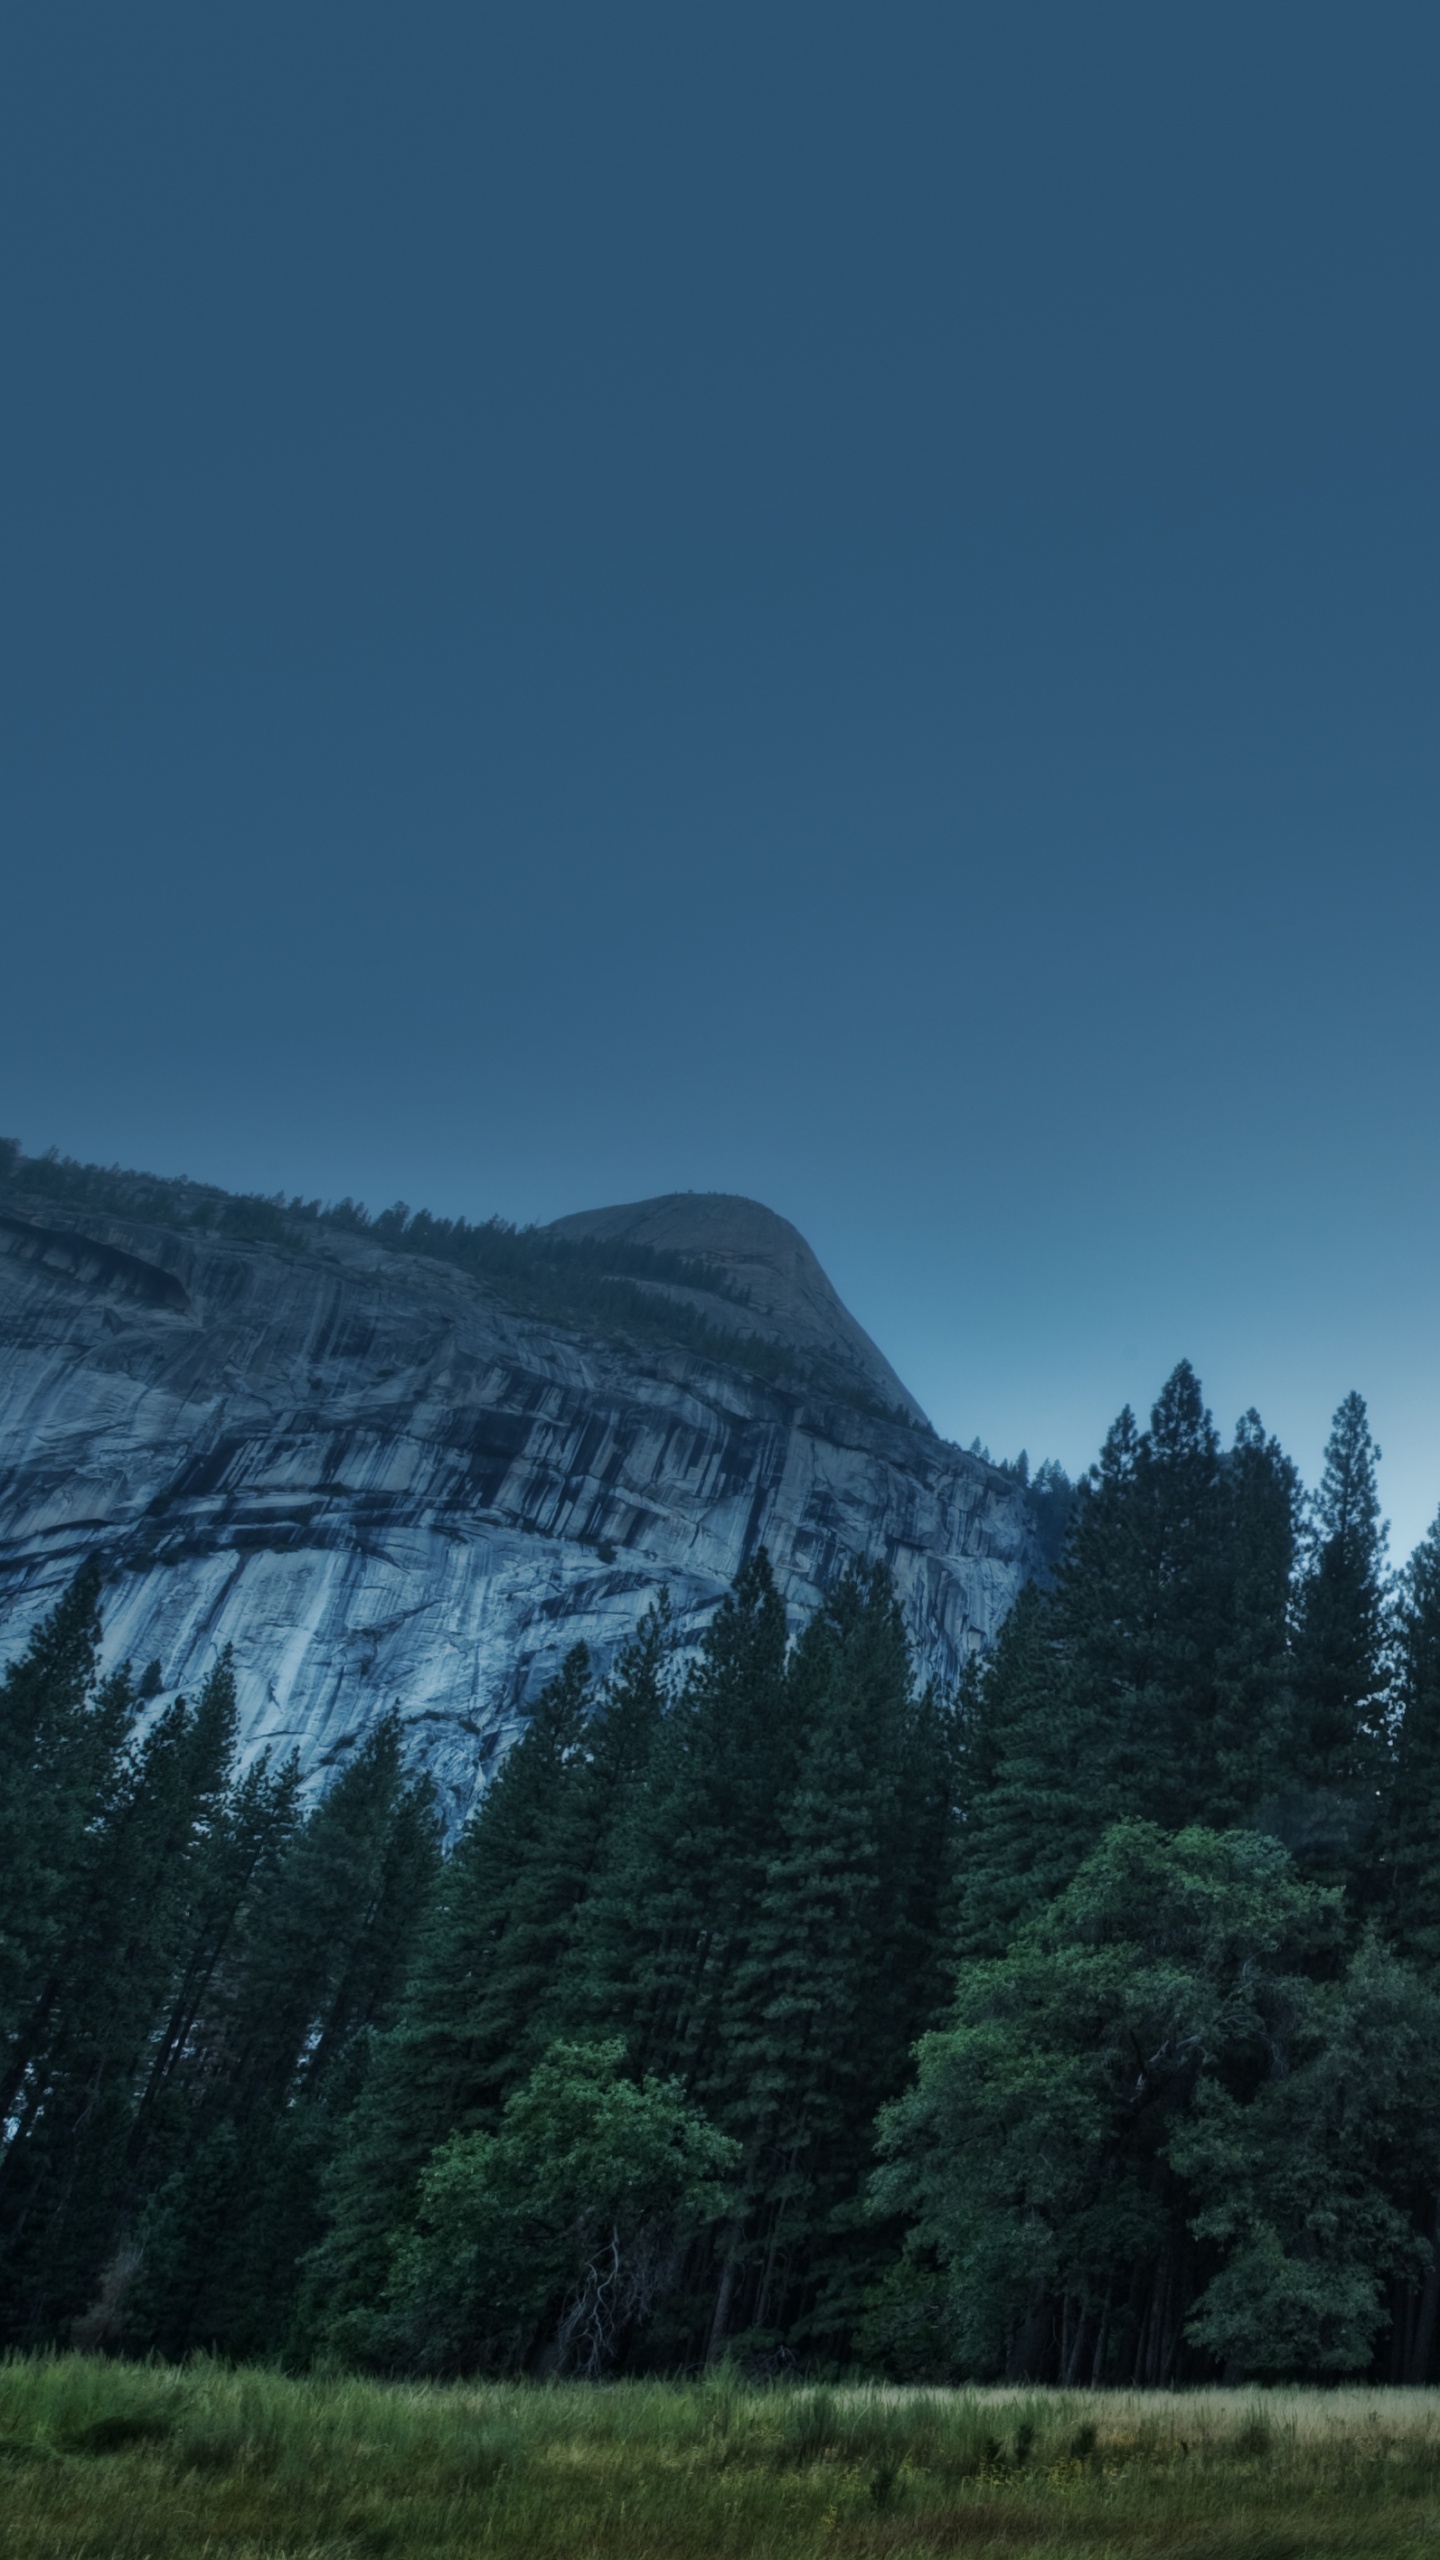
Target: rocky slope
{"x": 378, "y": 1481}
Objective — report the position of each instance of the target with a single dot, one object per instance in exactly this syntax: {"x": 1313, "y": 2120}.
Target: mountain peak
{"x": 772, "y": 1283}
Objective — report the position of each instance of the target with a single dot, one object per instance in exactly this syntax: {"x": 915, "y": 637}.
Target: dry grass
{"x": 154, "y": 2463}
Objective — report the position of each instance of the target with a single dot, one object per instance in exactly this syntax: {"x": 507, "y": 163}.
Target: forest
{"x": 772, "y": 2013}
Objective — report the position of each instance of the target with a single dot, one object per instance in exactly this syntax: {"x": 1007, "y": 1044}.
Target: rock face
{"x": 379, "y": 1482}
{"x": 785, "y": 1295}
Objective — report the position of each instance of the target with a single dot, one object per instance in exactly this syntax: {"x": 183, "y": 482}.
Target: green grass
{"x": 154, "y": 2463}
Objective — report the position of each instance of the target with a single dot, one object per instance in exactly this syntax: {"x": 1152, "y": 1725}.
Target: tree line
{"x": 1083, "y": 2026}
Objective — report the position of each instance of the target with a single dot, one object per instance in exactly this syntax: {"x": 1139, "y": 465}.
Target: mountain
{"x": 774, "y": 1288}
{"x": 404, "y": 1459}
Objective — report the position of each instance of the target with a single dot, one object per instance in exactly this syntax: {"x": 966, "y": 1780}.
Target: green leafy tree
{"x": 1305, "y": 2182}
{"x": 1071, "y": 2157}
{"x": 548, "y": 2243}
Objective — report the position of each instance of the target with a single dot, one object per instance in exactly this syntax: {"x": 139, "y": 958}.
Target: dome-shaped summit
{"x": 787, "y": 1297}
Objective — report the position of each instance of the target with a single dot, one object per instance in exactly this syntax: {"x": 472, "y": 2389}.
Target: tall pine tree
{"x": 671, "y": 1909}
{"x": 1152, "y": 1680}
{"x": 1411, "y": 1865}
{"x": 81, "y": 2059}
{"x": 61, "y": 1733}
{"x": 837, "y": 1975}
{"x": 312, "y": 1969}
{"x": 483, "y": 2000}
{"x": 1339, "y": 1745}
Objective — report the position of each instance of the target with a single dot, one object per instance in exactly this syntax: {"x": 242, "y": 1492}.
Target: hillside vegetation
{"x": 1083, "y": 2029}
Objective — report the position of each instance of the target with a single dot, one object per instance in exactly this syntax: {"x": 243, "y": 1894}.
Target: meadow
{"x": 155, "y": 2462}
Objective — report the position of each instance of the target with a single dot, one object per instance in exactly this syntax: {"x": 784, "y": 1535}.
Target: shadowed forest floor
{"x": 154, "y": 2463}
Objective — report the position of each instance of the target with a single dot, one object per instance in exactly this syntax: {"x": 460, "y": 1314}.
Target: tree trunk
{"x": 1028, "y": 2355}
{"x": 725, "y": 2297}
{"x": 1102, "y": 2336}
{"x": 1424, "y": 2345}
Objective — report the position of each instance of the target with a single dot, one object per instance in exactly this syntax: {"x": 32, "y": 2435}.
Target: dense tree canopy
{"x": 1175, "y": 2113}
{"x": 1083, "y": 2026}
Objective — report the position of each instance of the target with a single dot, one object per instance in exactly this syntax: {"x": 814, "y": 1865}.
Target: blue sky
{"x": 831, "y": 602}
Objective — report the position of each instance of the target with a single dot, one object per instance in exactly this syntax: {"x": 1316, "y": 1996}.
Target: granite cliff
{"x": 379, "y": 1479}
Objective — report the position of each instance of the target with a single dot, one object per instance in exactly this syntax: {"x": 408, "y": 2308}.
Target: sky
{"x": 833, "y": 602}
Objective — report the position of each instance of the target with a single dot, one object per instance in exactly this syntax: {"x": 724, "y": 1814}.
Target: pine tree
{"x": 63, "y": 2174}
{"x": 313, "y": 1968}
{"x": 237, "y": 1866}
{"x": 1152, "y": 1680}
{"x": 469, "y": 2025}
{"x": 1408, "y": 1893}
{"x": 838, "y": 1972}
{"x": 1412, "y": 1847}
{"x": 1253, "y": 1707}
{"x": 61, "y": 1734}
{"x": 1339, "y": 1746}
{"x": 662, "y": 1928}
{"x": 1027, "y": 1819}
{"x": 1143, "y": 1607}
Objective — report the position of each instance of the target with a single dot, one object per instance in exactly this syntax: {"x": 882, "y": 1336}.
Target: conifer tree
{"x": 1339, "y": 1746}
{"x": 470, "y": 2023}
{"x": 838, "y": 1971}
{"x": 671, "y": 1908}
{"x": 1411, "y": 1865}
{"x": 320, "y": 1949}
{"x": 1253, "y": 1703}
{"x": 61, "y": 1732}
{"x": 238, "y": 1863}
{"x": 1026, "y": 1815}
{"x": 313, "y": 1968}
{"x": 1143, "y": 1604}
{"x": 1060, "y": 1735}
{"x": 1061, "y": 1732}
{"x": 1408, "y": 1893}
{"x": 63, "y": 2173}
{"x": 1152, "y": 1680}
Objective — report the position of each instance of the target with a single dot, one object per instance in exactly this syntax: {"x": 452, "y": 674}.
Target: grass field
{"x": 157, "y": 2463}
